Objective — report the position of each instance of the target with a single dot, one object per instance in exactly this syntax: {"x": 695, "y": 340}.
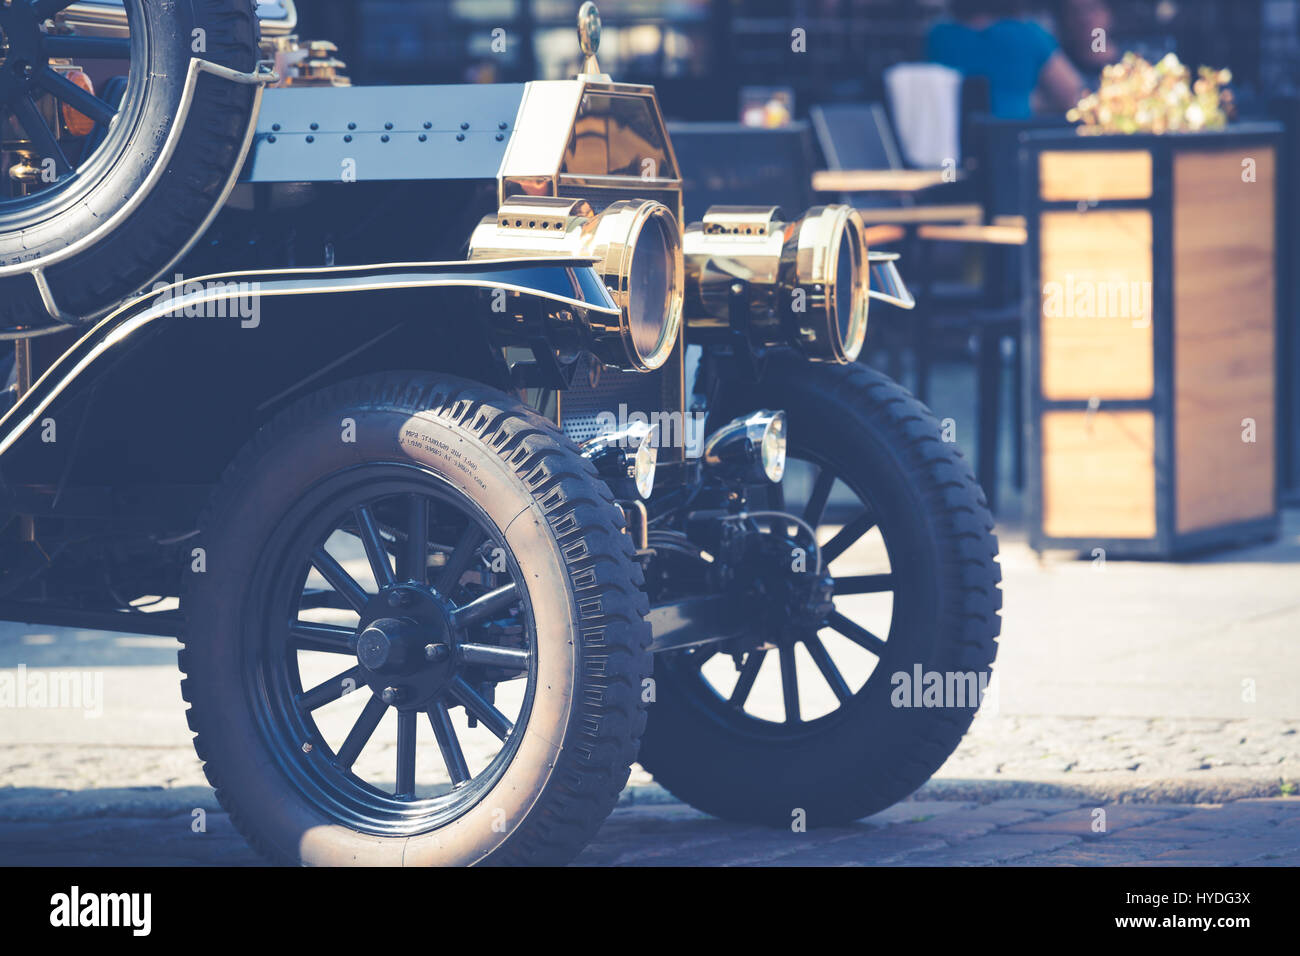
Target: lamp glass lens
{"x": 650, "y": 288}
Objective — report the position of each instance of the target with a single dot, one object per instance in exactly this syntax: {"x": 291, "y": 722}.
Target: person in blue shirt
{"x": 1015, "y": 55}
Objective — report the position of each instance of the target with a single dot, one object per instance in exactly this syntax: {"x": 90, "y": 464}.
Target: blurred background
{"x": 837, "y": 83}
{"x": 701, "y": 53}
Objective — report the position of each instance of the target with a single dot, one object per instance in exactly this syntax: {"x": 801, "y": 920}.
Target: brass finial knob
{"x": 589, "y": 36}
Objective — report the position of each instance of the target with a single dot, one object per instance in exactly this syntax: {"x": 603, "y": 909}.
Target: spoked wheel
{"x": 425, "y": 646}
{"x": 808, "y": 714}
{"x": 108, "y": 164}
{"x": 430, "y": 639}
{"x": 801, "y": 674}
{"x": 52, "y": 100}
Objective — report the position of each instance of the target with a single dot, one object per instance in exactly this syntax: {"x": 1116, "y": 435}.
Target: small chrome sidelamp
{"x": 630, "y": 453}
{"x": 751, "y": 448}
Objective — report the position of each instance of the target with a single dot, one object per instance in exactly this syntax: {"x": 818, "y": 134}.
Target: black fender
{"x": 165, "y": 390}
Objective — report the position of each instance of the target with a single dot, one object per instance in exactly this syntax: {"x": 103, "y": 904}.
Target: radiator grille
{"x": 650, "y": 393}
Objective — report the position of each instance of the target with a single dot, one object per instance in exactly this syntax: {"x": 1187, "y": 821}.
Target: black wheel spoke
{"x": 48, "y": 8}
{"x": 43, "y": 139}
{"x": 460, "y": 559}
{"x": 361, "y": 732}
{"x": 476, "y": 705}
{"x": 314, "y": 599}
{"x": 789, "y": 684}
{"x": 748, "y": 674}
{"x": 489, "y": 655}
{"x": 376, "y": 550}
{"x": 415, "y": 560}
{"x": 817, "y": 650}
{"x": 330, "y": 638}
{"x": 334, "y": 688}
{"x": 452, "y": 756}
{"x": 816, "y": 507}
{"x": 406, "y": 725}
{"x": 481, "y": 608}
{"x": 87, "y": 103}
{"x": 847, "y": 536}
{"x": 864, "y": 584}
{"x": 88, "y": 48}
{"x": 339, "y": 579}
{"x": 856, "y": 633}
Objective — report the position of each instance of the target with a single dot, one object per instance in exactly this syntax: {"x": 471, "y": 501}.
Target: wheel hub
{"x": 387, "y": 645}
{"x": 405, "y": 645}
{"x": 796, "y": 601}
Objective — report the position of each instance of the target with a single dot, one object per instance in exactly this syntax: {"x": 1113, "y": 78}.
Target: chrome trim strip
{"x": 376, "y": 267}
{"x": 119, "y": 326}
{"x": 884, "y": 268}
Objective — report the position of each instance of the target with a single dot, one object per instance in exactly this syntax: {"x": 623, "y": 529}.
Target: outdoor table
{"x": 877, "y": 180}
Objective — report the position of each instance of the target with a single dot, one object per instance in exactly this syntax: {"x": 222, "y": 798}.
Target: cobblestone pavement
{"x": 1168, "y": 695}
{"x": 1018, "y": 832}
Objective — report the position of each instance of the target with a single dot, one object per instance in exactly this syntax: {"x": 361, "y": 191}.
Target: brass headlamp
{"x": 805, "y": 282}
{"x": 637, "y": 252}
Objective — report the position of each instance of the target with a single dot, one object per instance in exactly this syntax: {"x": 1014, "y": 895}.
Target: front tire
{"x": 297, "y": 566}
{"x": 710, "y": 740}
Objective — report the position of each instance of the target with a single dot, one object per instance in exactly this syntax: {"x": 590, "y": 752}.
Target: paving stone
{"x": 995, "y": 848}
{"x": 1108, "y": 852}
{"x": 1229, "y": 851}
{"x": 1041, "y": 806}
{"x": 1168, "y": 832}
{"x": 918, "y": 810}
{"x": 1081, "y": 821}
{"x": 968, "y": 824}
{"x": 1239, "y": 816}
{"x": 882, "y": 848}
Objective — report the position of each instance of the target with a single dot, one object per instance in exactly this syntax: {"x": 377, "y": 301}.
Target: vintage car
{"x": 426, "y": 393}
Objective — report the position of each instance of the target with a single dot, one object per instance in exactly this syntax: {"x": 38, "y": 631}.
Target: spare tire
{"x": 100, "y": 227}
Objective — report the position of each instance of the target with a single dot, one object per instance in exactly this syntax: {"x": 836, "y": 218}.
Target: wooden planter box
{"x": 1150, "y": 339}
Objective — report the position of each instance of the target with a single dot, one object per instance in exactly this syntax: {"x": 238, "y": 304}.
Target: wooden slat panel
{"x": 1096, "y": 304}
{"x": 1099, "y": 474}
{"x": 1094, "y": 175}
{"x": 1224, "y": 321}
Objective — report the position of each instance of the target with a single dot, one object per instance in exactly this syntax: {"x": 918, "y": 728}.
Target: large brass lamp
{"x": 804, "y": 283}
{"x": 636, "y": 247}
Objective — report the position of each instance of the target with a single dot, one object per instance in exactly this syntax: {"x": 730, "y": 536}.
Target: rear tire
{"x": 868, "y": 753}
